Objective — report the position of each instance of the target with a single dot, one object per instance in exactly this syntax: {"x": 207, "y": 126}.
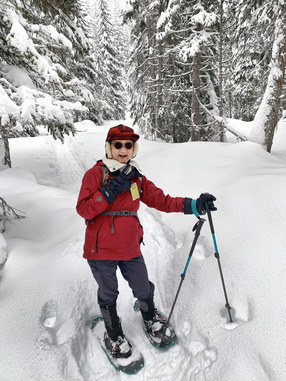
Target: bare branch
{"x": 7, "y": 213}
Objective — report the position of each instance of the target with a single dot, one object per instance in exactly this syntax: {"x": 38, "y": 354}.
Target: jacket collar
{"x": 114, "y": 165}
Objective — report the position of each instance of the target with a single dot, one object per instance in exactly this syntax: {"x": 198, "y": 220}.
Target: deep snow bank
{"x": 48, "y": 295}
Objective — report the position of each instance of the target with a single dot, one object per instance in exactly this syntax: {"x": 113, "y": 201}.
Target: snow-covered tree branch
{"x": 39, "y": 83}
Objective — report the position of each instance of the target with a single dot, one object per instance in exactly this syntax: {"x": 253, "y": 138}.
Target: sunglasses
{"x": 119, "y": 145}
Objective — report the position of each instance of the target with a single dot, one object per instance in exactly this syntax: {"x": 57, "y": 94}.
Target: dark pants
{"x": 134, "y": 271}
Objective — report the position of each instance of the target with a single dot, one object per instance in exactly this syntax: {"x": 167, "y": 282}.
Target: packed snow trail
{"x": 65, "y": 319}
{"x": 48, "y": 292}
{"x": 66, "y": 324}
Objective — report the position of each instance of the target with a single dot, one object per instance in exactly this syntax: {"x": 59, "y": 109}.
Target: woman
{"x": 109, "y": 198}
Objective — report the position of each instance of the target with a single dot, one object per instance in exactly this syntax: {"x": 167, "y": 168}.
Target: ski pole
{"x": 197, "y": 228}
{"x": 216, "y": 254}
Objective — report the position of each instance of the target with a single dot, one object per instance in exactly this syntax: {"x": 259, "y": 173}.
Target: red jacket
{"x": 124, "y": 243}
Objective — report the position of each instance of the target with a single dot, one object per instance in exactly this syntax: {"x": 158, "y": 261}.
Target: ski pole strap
{"x": 194, "y": 208}
{"x": 119, "y": 213}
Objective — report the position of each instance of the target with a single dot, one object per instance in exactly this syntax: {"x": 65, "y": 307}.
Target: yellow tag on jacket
{"x": 134, "y": 191}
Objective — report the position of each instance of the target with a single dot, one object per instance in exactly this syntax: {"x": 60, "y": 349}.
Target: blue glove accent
{"x": 200, "y": 205}
{"x": 194, "y": 208}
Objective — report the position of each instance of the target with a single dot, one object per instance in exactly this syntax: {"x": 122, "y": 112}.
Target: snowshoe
{"x": 160, "y": 334}
{"x": 129, "y": 365}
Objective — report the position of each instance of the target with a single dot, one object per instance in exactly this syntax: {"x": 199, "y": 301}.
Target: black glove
{"x": 206, "y": 202}
{"x": 119, "y": 184}
{"x": 199, "y": 206}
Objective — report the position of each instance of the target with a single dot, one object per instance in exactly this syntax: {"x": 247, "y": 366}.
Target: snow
{"x": 46, "y": 70}
{"x": 17, "y": 76}
{"x": 3, "y": 248}
{"x": 18, "y": 37}
{"x": 7, "y": 107}
{"x": 58, "y": 37}
{"x": 34, "y": 104}
{"x": 202, "y": 17}
{"x": 48, "y": 294}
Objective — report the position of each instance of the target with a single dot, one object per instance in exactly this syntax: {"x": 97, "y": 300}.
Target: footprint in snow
{"x": 202, "y": 250}
{"x": 202, "y": 358}
{"x": 49, "y": 314}
{"x": 48, "y": 320}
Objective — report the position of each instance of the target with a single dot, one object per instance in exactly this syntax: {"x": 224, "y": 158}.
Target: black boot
{"x": 154, "y": 323}
{"x": 147, "y": 308}
{"x": 111, "y": 321}
{"x": 114, "y": 339}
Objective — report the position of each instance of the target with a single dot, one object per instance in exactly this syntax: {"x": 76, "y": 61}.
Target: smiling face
{"x": 122, "y": 150}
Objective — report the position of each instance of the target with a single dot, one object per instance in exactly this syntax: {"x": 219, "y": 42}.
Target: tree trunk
{"x": 196, "y": 83}
{"x": 150, "y": 38}
{"x": 160, "y": 74}
{"x": 195, "y": 97}
{"x": 7, "y": 156}
{"x": 221, "y": 68}
{"x": 267, "y": 116}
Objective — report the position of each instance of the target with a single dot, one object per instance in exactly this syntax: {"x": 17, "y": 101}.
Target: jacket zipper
{"x": 96, "y": 242}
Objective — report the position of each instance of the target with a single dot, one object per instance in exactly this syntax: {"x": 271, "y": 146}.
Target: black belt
{"x": 120, "y": 213}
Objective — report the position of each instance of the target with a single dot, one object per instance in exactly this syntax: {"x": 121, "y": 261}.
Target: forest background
{"x": 181, "y": 67}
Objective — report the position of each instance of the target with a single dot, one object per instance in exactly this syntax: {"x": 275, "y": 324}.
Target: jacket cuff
{"x": 190, "y": 206}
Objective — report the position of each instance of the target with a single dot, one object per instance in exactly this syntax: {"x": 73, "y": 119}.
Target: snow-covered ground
{"x": 48, "y": 294}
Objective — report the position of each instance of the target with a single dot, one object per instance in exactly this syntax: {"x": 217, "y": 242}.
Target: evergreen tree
{"x": 41, "y": 49}
{"x": 109, "y": 63}
{"x": 141, "y": 66}
{"x": 148, "y": 68}
{"x": 174, "y": 84}
{"x": 250, "y": 39}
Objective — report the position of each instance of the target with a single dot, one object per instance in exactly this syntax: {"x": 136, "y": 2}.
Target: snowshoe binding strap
{"x": 121, "y": 348}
